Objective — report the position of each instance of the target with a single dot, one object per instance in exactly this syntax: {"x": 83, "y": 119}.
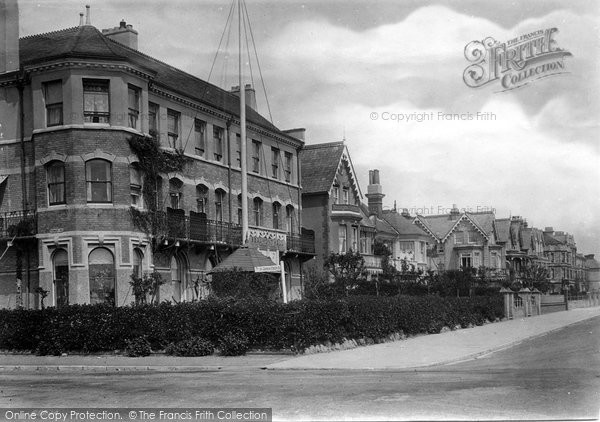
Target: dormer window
{"x": 96, "y": 104}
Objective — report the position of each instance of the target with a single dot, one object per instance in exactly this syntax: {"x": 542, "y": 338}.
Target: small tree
{"x": 43, "y": 294}
{"x": 536, "y": 276}
{"x": 147, "y": 285}
{"x": 348, "y": 269}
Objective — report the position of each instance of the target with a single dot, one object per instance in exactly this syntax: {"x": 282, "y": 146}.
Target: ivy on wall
{"x": 152, "y": 162}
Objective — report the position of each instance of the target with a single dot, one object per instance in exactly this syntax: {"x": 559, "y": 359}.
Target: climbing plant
{"x": 152, "y": 162}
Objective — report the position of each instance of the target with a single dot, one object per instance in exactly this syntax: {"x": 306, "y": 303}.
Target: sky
{"x": 358, "y": 70}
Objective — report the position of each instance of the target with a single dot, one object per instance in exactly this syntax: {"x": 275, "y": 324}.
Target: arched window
{"x": 175, "y": 193}
{"x": 138, "y": 263}
{"x": 56, "y": 182}
{"x": 276, "y": 212}
{"x": 102, "y": 276}
{"x": 258, "y": 211}
{"x": 289, "y": 219}
{"x": 202, "y": 198}
{"x": 219, "y": 202}
{"x": 60, "y": 261}
{"x": 135, "y": 183}
{"x": 239, "y": 209}
{"x": 99, "y": 181}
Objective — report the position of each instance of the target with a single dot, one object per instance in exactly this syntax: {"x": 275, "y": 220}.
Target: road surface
{"x": 552, "y": 377}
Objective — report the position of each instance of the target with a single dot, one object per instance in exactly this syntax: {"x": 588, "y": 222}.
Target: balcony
{"x": 345, "y": 211}
{"x": 174, "y": 224}
{"x": 18, "y": 224}
{"x": 301, "y": 243}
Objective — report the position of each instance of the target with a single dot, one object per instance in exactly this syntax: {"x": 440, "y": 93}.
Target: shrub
{"x": 49, "y": 348}
{"x": 139, "y": 346}
{"x": 225, "y": 322}
{"x": 241, "y": 284}
{"x": 234, "y": 343}
{"x": 195, "y": 346}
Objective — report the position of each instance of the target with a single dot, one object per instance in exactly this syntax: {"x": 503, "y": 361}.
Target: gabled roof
{"x": 320, "y": 164}
{"x": 87, "y": 42}
{"x": 404, "y": 225}
{"x": 551, "y": 240}
{"x": 440, "y": 227}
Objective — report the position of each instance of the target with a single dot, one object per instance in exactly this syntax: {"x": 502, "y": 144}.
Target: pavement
{"x": 441, "y": 349}
{"x": 414, "y": 352}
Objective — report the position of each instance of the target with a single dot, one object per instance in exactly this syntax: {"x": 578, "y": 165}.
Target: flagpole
{"x": 243, "y": 154}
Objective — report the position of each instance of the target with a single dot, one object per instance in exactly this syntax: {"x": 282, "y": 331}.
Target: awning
{"x": 248, "y": 259}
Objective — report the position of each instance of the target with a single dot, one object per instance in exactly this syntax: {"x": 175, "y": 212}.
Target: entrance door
{"x": 61, "y": 278}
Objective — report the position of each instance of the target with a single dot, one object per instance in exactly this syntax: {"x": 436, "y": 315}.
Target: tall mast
{"x": 243, "y": 157}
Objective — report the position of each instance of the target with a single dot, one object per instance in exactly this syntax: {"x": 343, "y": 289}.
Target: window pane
{"x": 102, "y": 276}
{"x": 53, "y": 92}
{"x": 99, "y": 187}
{"x": 153, "y": 117}
{"x": 96, "y": 105}
{"x": 200, "y": 130}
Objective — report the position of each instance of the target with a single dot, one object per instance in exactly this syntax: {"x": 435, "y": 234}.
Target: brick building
{"x": 464, "y": 240}
{"x": 332, "y": 206}
{"x": 561, "y": 251}
{"x": 70, "y": 102}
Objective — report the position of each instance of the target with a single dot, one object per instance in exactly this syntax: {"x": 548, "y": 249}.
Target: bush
{"x": 49, "y": 348}
{"x": 139, "y": 346}
{"x": 242, "y": 285}
{"x": 252, "y": 322}
{"x": 234, "y": 343}
{"x": 195, "y": 346}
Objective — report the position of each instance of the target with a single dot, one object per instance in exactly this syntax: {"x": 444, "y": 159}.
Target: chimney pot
{"x": 88, "y": 20}
{"x": 80, "y": 18}
{"x": 122, "y": 24}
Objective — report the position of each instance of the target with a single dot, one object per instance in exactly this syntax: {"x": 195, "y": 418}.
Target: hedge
{"x": 266, "y": 324}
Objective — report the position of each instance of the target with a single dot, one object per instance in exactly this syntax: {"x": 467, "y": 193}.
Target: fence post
{"x": 508, "y": 295}
{"x": 525, "y": 293}
{"x": 537, "y": 296}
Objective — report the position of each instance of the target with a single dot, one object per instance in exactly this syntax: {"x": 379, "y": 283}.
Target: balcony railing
{"x": 496, "y": 273}
{"x": 372, "y": 262}
{"x": 197, "y": 228}
{"x": 18, "y": 224}
{"x": 303, "y": 243}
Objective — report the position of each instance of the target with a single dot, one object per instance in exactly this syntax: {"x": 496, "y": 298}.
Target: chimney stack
{"x": 298, "y": 133}
{"x": 88, "y": 20}
{"x": 250, "y": 95}
{"x": 9, "y": 36}
{"x": 375, "y": 194}
{"x": 454, "y": 212}
{"x": 123, "y": 34}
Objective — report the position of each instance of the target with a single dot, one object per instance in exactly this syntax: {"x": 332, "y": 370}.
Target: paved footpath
{"x": 439, "y": 349}
{"x": 414, "y": 352}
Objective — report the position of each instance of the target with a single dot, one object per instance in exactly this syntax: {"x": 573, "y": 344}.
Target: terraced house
{"x": 72, "y": 186}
